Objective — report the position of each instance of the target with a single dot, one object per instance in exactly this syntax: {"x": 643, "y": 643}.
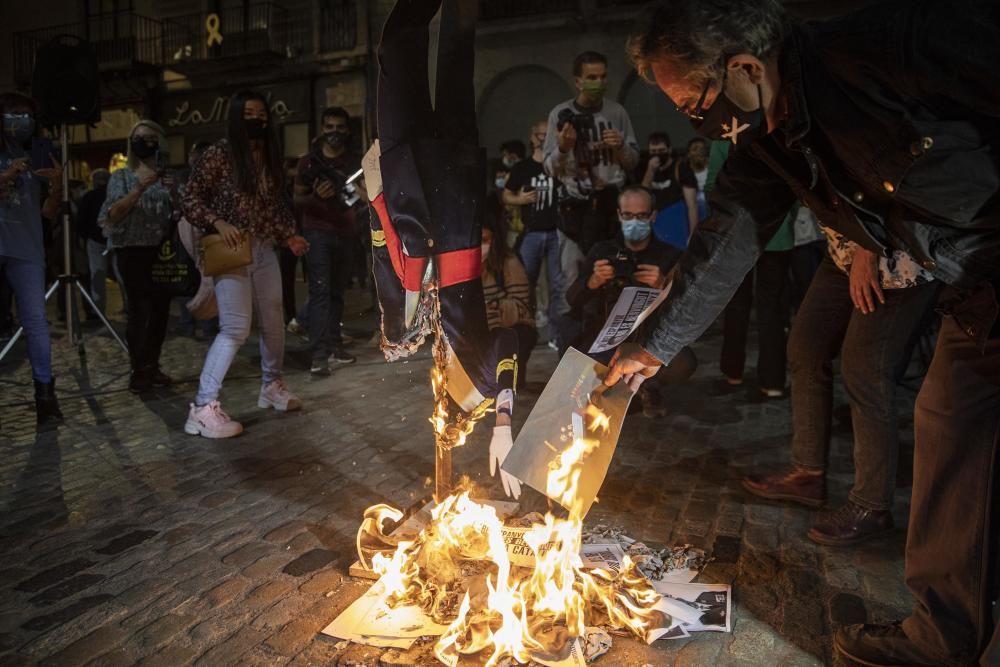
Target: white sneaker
{"x": 275, "y": 395}
{"x": 210, "y": 421}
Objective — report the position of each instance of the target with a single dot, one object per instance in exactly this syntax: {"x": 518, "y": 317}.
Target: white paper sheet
{"x": 702, "y": 607}
{"x": 632, "y": 308}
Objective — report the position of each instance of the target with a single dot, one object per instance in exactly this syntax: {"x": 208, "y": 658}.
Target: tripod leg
{"x": 107, "y": 325}
{"x": 20, "y": 330}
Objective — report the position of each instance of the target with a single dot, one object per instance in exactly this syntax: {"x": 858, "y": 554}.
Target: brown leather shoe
{"x": 798, "y": 485}
{"x": 851, "y": 524}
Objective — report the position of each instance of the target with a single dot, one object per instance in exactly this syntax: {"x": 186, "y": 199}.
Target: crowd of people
{"x": 750, "y": 216}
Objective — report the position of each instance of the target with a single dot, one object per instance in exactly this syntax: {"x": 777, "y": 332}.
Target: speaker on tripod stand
{"x": 66, "y": 85}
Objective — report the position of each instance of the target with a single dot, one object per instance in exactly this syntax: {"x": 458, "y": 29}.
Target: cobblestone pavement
{"x": 125, "y": 541}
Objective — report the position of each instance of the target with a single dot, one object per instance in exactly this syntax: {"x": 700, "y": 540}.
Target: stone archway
{"x": 514, "y": 99}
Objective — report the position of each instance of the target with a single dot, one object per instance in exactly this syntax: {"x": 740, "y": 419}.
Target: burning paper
{"x": 565, "y": 447}
{"x": 632, "y": 308}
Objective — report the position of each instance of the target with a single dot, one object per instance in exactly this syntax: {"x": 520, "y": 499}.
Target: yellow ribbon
{"x": 212, "y": 25}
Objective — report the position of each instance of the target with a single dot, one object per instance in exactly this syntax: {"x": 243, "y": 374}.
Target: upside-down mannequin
{"x": 426, "y": 180}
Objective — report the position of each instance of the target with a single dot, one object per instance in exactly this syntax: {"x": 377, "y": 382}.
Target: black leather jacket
{"x": 892, "y": 139}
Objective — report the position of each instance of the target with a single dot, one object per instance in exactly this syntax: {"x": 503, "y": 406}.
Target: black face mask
{"x": 335, "y": 139}
{"x": 725, "y": 121}
{"x": 256, "y": 128}
{"x": 142, "y": 149}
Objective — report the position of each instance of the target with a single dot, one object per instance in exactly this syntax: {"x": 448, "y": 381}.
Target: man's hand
{"x": 230, "y": 235}
{"x": 298, "y": 245}
{"x": 612, "y": 138}
{"x": 53, "y": 174}
{"x": 632, "y": 364}
{"x": 865, "y": 286}
{"x": 500, "y": 445}
{"x": 653, "y": 165}
{"x": 603, "y": 272}
{"x": 323, "y": 188}
{"x": 567, "y": 138}
{"x": 649, "y": 274}
{"x": 525, "y": 197}
{"x": 16, "y": 168}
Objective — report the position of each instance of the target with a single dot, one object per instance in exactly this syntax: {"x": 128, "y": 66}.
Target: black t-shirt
{"x": 87, "y": 213}
{"x": 688, "y": 178}
{"x": 593, "y": 306}
{"x": 543, "y": 215}
{"x": 666, "y": 185}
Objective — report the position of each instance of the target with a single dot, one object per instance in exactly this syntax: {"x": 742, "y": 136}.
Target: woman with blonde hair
{"x": 137, "y": 216}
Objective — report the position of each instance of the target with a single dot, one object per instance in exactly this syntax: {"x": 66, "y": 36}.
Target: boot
{"x": 46, "y": 406}
{"x": 798, "y": 485}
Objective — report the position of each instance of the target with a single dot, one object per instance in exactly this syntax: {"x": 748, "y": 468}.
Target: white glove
{"x": 500, "y": 445}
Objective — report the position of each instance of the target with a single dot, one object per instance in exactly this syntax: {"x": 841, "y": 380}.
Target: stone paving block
{"x": 285, "y": 532}
{"x": 66, "y": 589}
{"x": 54, "y": 575}
{"x": 247, "y": 554}
{"x": 266, "y": 594}
{"x": 310, "y": 562}
{"x": 82, "y": 651}
{"x": 170, "y": 656}
{"x": 227, "y": 591}
{"x": 232, "y": 649}
{"x": 50, "y": 620}
{"x": 162, "y": 630}
{"x": 266, "y": 567}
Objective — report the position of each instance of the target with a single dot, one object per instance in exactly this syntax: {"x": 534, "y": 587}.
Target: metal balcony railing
{"x": 232, "y": 32}
{"x": 120, "y": 40}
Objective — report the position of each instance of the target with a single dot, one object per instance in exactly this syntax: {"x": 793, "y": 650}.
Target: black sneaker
{"x": 319, "y": 368}
{"x": 341, "y": 356}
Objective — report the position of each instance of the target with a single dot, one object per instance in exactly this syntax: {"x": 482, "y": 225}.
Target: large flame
{"x": 506, "y": 610}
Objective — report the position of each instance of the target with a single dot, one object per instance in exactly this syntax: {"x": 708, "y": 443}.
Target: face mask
{"x": 335, "y": 139}
{"x": 509, "y": 162}
{"x": 594, "y": 89}
{"x": 18, "y": 128}
{"x": 142, "y": 149}
{"x": 256, "y": 128}
{"x": 500, "y": 183}
{"x": 725, "y": 121}
{"x": 485, "y": 249}
{"x": 634, "y": 230}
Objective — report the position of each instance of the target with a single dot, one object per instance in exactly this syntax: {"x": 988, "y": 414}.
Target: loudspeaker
{"x": 65, "y": 81}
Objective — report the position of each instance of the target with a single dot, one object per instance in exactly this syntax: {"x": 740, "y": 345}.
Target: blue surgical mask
{"x": 635, "y": 230}
{"x": 18, "y": 128}
{"x": 500, "y": 183}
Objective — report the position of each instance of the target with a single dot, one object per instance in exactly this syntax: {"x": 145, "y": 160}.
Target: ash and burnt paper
{"x": 565, "y": 434}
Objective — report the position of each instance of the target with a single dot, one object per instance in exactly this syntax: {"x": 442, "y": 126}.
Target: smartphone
{"x": 42, "y": 152}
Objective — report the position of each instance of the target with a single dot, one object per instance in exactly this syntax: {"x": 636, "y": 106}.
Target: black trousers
{"x": 148, "y": 308}
{"x": 765, "y": 287}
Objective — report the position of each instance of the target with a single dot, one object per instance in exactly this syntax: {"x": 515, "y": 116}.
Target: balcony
{"x": 122, "y": 41}
{"x": 263, "y": 31}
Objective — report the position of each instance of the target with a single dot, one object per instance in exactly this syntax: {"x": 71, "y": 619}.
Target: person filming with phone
{"x": 22, "y": 253}
{"x": 136, "y": 216}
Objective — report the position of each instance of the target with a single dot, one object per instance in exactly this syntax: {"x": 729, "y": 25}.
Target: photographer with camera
{"x": 136, "y": 216}
{"x": 326, "y": 203}
{"x": 640, "y": 260}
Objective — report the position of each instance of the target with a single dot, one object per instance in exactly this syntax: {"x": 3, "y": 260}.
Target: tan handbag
{"x": 217, "y": 258}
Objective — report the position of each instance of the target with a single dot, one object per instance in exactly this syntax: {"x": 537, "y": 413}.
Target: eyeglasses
{"x": 699, "y": 111}
{"x": 626, "y": 215}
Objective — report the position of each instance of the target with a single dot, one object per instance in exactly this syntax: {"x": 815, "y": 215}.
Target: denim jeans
{"x": 27, "y": 281}
{"x": 255, "y": 286}
{"x": 97, "y": 262}
{"x": 871, "y": 348}
{"x": 148, "y": 308}
{"x": 951, "y": 547}
{"x": 765, "y": 287}
{"x": 329, "y": 263}
{"x": 538, "y": 248}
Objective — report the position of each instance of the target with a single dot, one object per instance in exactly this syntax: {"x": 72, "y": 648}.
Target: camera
{"x": 625, "y": 265}
{"x": 567, "y": 115}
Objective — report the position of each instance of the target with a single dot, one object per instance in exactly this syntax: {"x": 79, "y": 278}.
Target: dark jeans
{"x": 771, "y": 277}
{"x": 951, "y": 548}
{"x": 804, "y": 263}
{"x": 288, "y": 261}
{"x": 148, "y": 308}
{"x": 329, "y": 263}
{"x": 871, "y": 349}
{"x": 527, "y": 337}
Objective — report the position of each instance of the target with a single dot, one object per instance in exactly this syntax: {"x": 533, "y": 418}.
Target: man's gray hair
{"x": 695, "y": 36}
